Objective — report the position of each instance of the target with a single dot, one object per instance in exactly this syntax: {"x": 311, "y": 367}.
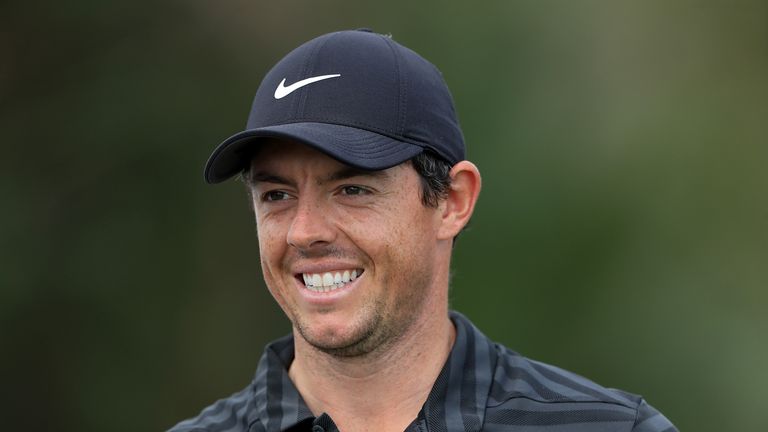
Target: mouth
{"x": 329, "y": 281}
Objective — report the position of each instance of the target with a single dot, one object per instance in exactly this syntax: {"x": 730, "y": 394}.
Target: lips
{"x": 331, "y": 280}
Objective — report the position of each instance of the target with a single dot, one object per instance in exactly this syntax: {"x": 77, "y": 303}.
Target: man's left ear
{"x": 460, "y": 202}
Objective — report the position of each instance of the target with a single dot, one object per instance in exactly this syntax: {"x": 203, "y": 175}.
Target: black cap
{"x": 357, "y": 96}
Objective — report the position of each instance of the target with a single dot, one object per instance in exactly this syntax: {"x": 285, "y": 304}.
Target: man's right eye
{"x": 275, "y": 196}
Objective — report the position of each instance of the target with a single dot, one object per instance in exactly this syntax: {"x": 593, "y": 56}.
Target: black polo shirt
{"x": 483, "y": 386}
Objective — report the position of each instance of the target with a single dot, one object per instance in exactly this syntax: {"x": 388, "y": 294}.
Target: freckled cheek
{"x": 272, "y": 248}
{"x": 376, "y": 239}
{"x": 271, "y": 228}
{"x": 271, "y": 260}
{"x": 351, "y": 224}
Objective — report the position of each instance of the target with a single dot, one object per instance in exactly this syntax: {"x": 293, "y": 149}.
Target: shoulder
{"x": 228, "y": 414}
{"x": 242, "y": 411}
{"x": 526, "y": 392}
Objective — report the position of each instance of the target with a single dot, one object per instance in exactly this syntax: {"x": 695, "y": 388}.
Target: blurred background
{"x": 621, "y": 232}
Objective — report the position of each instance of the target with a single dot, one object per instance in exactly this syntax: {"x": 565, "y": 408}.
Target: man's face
{"x": 350, "y": 256}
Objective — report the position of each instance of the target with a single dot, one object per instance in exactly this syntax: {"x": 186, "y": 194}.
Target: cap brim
{"x": 355, "y": 147}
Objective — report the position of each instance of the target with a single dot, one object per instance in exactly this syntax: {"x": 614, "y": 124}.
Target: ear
{"x": 460, "y": 203}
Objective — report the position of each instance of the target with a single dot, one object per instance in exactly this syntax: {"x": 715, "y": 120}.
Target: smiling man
{"x": 355, "y": 163}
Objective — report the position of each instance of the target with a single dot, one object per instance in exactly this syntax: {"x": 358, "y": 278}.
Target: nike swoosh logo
{"x": 282, "y": 91}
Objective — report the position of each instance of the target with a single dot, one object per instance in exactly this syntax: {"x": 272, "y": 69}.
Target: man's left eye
{"x": 354, "y": 190}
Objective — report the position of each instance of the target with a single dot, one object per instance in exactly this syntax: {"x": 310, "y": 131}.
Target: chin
{"x": 341, "y": 340}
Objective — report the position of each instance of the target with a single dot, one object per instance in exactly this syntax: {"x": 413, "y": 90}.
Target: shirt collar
{"x": 457, "y": 400}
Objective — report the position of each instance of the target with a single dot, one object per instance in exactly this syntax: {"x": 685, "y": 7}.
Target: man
{"x": 356, "y": 167}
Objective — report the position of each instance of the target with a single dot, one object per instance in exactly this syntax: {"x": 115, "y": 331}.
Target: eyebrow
{"x": 264, "y": 177}
{"x": 342, "y": 174}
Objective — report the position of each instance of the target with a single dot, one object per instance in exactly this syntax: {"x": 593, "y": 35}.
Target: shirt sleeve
{"x": 651, "y": 420}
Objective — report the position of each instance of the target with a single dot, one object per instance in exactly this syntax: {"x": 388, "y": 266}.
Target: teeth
{"x": 328, "y": 281}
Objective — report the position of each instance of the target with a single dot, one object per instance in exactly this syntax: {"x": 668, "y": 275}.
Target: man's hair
{"x": 434, "y": 173}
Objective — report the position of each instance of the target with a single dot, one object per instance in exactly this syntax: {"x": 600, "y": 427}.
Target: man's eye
{"x": 354, "y": 190}
{"x": 275, "y": 196}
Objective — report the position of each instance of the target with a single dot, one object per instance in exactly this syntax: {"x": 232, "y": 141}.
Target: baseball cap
{"x": 358, "y": 96}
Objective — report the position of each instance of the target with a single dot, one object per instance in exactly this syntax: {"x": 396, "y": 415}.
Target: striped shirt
{"x": 483, "y": 386}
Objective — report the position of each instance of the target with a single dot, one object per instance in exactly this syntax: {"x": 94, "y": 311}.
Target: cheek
{"x": 271, "y": 247}
{"x": 399, "y": 235}
{"x": 270, "y": 257}
{"x": 271, "y": 230}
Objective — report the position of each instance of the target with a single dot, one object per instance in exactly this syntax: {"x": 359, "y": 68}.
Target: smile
{"x": 329, "y": 281}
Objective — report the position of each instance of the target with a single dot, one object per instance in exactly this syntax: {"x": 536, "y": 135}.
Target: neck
{"x": 379, "y": 391}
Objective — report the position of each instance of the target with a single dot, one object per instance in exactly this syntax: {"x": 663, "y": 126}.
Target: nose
{"x": 310, "y": 226}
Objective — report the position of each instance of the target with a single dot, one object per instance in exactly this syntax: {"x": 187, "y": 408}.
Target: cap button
{"x": 364, "y": 29}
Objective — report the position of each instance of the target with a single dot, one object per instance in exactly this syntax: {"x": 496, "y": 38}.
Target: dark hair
{"x": 434, "y": 173}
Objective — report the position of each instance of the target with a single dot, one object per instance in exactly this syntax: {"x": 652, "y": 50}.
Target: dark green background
{"x": 621, "y": 232}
